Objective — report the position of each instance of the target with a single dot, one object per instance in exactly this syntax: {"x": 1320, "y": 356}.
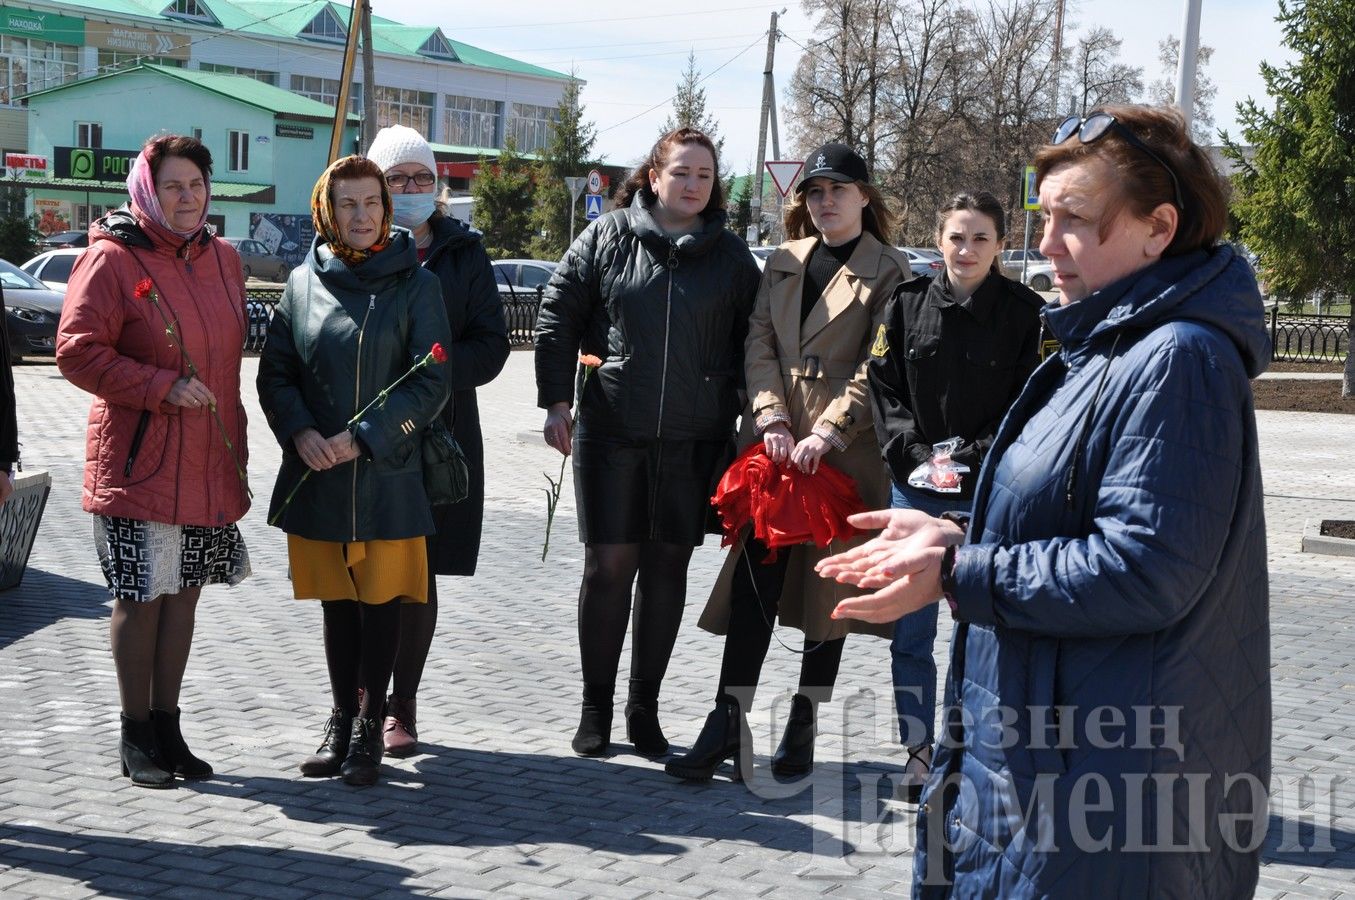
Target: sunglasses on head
{"x": 1094, "y": 127}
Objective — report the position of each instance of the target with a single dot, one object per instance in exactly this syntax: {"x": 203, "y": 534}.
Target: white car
{"x": 761, "y": 255}
{"x": 53, "y": 268}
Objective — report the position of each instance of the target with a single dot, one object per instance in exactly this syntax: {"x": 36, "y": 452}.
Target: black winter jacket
{"x": 667, "y": 317}
{"x": 946, "y": 369}
{"x": 478, "y": 352}
{"x": 340, "y": 336}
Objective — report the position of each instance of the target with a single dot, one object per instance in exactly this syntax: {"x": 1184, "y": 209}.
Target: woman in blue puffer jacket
{"x": 1107, "y": 730}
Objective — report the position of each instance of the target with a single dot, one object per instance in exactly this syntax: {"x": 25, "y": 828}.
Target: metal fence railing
{"x": 1297, "y": 337}
{"x": 520, "y": 308}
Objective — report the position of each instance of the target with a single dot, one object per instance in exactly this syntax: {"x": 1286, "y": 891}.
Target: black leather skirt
{"x": 628, "y": 491}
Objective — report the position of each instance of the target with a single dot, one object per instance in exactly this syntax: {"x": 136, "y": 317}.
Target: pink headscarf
{"x": 141, "y": 187}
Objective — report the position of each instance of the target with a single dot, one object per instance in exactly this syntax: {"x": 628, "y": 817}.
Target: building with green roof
{"x": 268, "y": 147}
{"x": 465, "y": 99}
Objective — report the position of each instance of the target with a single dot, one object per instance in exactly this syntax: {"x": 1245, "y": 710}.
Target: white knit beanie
{"x": 396, "y": 144}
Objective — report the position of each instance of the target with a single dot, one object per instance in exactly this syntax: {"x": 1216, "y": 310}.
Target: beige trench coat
{"x": 838, "y": 332}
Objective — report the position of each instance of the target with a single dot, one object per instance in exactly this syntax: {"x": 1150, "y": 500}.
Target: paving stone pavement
{"x": 496, "y": 804}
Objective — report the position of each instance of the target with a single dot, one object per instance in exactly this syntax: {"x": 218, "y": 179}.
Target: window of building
{"x": 531, "y": 126}
{"x": 325, "y": 27}
{"x": 112, "y": 60}
{"x": 84, "y": 217}
{"x": 28, "y": 65}
{"x": 326, "y": 90}
{"x": 189, "y": 9}
{"x": 403, "y": 106}
{"x": 238, "y": 152}
{"x": 263, "y": 75}
{"x": 470, "y": 121}
{"x": 89, "y": 134}
{"x": 437, "y": 45}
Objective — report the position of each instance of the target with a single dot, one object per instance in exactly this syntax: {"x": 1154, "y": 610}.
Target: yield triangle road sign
{"x": 784, "y": 172}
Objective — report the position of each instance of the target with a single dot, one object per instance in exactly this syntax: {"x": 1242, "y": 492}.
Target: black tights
{"x": 417, "y": 623}
{"x": 750, "y": 632}
{"x": 609, "y": 570}
{"x": 360, "y": 644}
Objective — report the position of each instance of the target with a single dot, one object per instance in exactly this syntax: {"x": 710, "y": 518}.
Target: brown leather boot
{"x": 398, "y": 730}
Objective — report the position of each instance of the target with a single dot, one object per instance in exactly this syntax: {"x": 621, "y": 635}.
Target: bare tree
{"x": 1163, "y": 91}
{"x": 1098, "y": 77}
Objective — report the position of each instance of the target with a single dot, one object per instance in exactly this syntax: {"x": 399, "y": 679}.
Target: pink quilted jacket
{"x": 145, "y": 458}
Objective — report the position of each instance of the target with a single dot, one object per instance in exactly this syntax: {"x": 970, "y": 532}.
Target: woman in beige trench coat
{"x": 818, "y": 309}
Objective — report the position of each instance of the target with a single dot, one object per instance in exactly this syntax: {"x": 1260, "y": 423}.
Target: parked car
{"x": 517, "y": 277}
{"x": 924, "y": 261}
{"x": 1038, "y": 271}
{"x": 257, "y": 262}
{"x": 53, "y": 268}
{"x": 64, "y": 239}
{"x": 32, "y": 311}
{"x": 761, "y": 255}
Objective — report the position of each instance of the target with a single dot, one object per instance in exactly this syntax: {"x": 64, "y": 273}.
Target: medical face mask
{"x": 412, "y": 210}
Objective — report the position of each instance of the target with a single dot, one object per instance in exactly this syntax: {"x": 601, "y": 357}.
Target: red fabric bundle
{"x": 785, "y": 505}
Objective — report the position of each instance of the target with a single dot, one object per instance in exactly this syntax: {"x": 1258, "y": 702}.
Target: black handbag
{"x": 446, "y": 477}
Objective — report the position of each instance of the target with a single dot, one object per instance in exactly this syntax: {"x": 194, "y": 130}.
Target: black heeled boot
{"x": 795, "y": 755}
{"x": 177, "y": 757}
{"x": 642, "y": 718}
{"x": 724, "y": 736}
{"x": 595, "y": 721}
{"x": 141, "y": 760}
{"x": 333, "y": 749}
{"x": 363, "y": 764}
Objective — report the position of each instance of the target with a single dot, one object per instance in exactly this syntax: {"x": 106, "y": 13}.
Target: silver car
{"x": 257, "y": 262}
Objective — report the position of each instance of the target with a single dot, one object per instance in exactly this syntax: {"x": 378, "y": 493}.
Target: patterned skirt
{"x": 142, "y": 560}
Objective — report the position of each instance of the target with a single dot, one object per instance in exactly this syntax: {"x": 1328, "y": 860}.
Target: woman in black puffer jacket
{"x": 661, "y": 291}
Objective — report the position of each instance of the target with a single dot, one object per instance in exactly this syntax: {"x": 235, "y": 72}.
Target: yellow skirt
{"x": 366, "y": 571}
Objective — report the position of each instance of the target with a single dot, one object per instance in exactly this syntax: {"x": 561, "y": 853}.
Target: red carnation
{"x": 439, "y": 355}
{"x": 143, "y": 289}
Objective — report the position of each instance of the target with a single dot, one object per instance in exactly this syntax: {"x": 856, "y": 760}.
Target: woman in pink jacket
{"x": 153, "y": 325}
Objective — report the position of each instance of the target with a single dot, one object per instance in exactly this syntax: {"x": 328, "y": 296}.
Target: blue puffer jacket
{"x": 1109, "y": 684}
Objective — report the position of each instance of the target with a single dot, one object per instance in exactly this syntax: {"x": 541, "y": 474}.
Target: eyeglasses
{"x": 1094, "y": 127}
{"x": 398, "y": 180}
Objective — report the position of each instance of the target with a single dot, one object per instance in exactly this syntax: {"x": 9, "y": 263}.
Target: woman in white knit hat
{"x": 478, "y": 351}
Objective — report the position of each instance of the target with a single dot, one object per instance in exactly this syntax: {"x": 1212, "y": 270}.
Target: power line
{"x": 701, "y": 80}
{"x": 609, "y": 19}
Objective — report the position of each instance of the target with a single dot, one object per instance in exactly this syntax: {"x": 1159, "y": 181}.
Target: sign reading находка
{"x": 46, "y": 26}
{"x": 98, "y": 166}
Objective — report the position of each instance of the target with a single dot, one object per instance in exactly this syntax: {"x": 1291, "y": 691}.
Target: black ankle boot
{"x": 795, "y": 755}
{"x": 595, "y": 721}
{"x": 724, "y": 736}
{"x": 363, "y": 764}
{"x": 177, "y": 757}
{"x": 333, "y": 749}
{"x": 141, "y": 760}
{"x": 642, "y": 718}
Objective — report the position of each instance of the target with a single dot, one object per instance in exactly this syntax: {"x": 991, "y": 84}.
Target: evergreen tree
{"x": 1295, "y": 196}
{"x": 503, "y": 203}
{"x": 569, "y": 154}
{"x": 689, "y": 106}
{"x": 18, "y": 232}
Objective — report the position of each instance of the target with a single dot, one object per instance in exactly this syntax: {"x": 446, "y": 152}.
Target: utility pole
{"x": 768, "y": 112}
{"x": 1185, "y": 63}
{"x": 345, "y": 79}
{"x": 1058, "y": 57}
{"x": 369, "y": 125}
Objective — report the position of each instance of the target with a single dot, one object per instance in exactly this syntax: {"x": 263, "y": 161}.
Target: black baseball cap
{"x": 834, "y": 161}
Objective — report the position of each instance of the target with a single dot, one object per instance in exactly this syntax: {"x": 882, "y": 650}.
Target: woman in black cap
{"x": 818, "y": 309}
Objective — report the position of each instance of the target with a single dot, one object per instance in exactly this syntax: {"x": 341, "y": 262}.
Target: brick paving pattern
{"x": 497, "y": 804}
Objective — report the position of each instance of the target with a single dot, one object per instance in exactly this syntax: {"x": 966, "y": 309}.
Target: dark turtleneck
{"x": 822, "y": 266}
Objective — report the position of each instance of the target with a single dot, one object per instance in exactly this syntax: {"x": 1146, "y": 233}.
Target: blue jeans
{"x": 911, "y": 660}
